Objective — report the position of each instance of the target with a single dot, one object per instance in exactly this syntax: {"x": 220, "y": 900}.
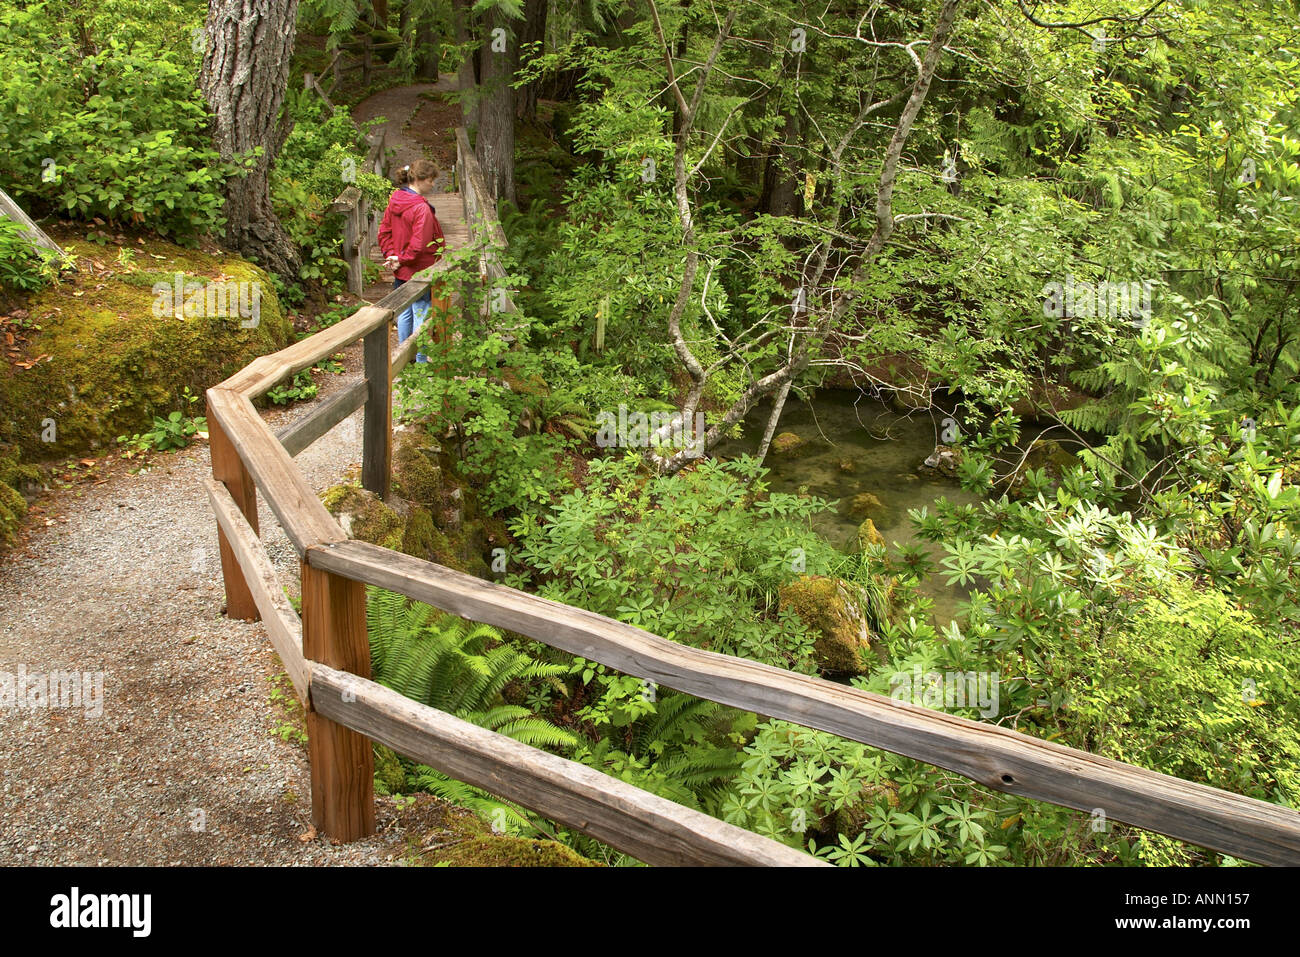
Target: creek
{"x": 853, "y": 443}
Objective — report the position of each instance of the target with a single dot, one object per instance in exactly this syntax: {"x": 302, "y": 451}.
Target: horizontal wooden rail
{"x": 281, "y": 620}
{"x": 261, "y": 374}
{"x": 996, "y": 757}
{"x": 301, "y": 434}
{"x": 650, "y": 828}
{"x": 300, "y": 512}
{"x": 403, "y": 296}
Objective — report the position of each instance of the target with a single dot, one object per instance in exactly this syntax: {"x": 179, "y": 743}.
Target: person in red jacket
{"x": 411, "y": 239}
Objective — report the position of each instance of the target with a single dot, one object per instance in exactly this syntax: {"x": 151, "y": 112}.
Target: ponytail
{"x": 420, "y": 169}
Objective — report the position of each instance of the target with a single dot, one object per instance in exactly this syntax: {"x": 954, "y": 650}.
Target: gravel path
{"x": 180, "y": 765}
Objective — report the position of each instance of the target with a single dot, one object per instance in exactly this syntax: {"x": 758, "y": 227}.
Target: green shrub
{"x": 323, "y": 155}
{"x": 121, "y": 133}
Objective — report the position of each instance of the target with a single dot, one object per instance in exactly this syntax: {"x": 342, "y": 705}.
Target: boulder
{"x": 363, "y": 516}
{"x": 835, "y": 610}
{"x": 432, "y": 514}
{"x": 868, "y": 534}
{"x": 942, "y": 461}
{"x": 786, "y": 443}
{"x": 866, "y": 504}
{"x": 108, "y": 363}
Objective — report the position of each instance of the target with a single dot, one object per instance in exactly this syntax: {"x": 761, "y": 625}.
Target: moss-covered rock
{"x": 18, "y": 482}
{"x": 868, "y": 534}
{"x": 390, "y": 773}
{"x": 364, "y": 517}
{"x": 415, "y": 476}
{"x": 835, "y": 610}
{"x": 785, "y": 443}
{"x": 943, "y": 460}
{"x": 429, "y": 832}
{"x": 433, "y": 513}
{"x": 110, "y": 363}
{"x": 418, "y": 539}
{"x": 866, "y": 504}
{"x": 494, "y": 850}
{"x": 13, "y": 508}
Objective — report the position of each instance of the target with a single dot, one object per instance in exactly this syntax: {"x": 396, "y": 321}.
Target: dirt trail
{"x": 181, "y": 766}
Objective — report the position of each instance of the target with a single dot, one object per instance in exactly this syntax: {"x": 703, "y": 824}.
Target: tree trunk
{"x": 426, "y": 41}
{"x": 463, "y": 25}
{"x": 772, "y": 420}
{"x": 495, "y": 147}
{"x": 245, "y": 71}
{"x": 781, "y": 184}
{"x": 534, "y": 31}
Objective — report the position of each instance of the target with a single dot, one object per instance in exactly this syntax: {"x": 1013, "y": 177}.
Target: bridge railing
{"x": 326, "y": 655}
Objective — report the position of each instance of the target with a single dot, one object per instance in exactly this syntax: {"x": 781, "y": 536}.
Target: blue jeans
{"x": 410, "y": 319}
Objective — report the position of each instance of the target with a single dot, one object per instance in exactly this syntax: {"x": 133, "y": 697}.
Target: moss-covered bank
{"x": 431, "y": 514}
{"x": 108, "y": 363}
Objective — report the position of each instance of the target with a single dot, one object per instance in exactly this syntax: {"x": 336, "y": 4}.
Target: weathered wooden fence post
{"x": 228, "y": 469}
{"x": 377, "y": 435}
{"x": 342, "y": 763}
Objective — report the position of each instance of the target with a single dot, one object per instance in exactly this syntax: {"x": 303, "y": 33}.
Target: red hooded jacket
{"x": 410, "y": 231}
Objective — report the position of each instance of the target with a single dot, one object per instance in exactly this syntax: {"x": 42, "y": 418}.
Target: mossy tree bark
{"x": 495, "y": 144}
{"x": 245, "y": 73}
{"x": 534, "y": 32}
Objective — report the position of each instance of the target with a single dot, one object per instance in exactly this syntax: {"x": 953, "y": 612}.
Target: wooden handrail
{"x": 303, "y": 517}
{"x": 298, "y": 436}
{"x": 650, "y": 828}
{"x": 281, "y": 620}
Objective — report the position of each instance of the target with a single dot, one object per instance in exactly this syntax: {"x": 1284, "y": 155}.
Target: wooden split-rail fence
{"x": 326, "y": 652}
{"x": 34, "y": 234}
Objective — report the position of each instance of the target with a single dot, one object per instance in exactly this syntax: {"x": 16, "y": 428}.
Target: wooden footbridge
{"x": 326, "y": 652}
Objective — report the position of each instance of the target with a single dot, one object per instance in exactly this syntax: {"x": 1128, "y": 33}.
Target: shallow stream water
{"x": 883, "y": 451}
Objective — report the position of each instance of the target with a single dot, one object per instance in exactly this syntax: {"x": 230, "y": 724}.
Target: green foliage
{"x": 104, "y": 122}
{"x": 514, "y": 412}
{"x": 22, "y": 266}
{"x": 300, "y": 388}
{"x": 856, "y": 806}
{"x": 290, "y": 724}
{"x": 697, "y": 557}
{"x": 172, "y": 432}
{"x": 465, "y": 670}
{"x": 303, "y": 384}
{"x": 324, "y": 155}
